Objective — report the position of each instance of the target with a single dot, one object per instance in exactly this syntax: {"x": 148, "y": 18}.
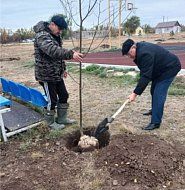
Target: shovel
{"x": 104, "y": 125}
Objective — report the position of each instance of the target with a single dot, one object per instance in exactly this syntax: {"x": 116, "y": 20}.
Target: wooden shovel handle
{"x": 121, "y": 108}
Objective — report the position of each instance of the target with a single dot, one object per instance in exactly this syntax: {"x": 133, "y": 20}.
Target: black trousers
{"x": 56, "y": 92}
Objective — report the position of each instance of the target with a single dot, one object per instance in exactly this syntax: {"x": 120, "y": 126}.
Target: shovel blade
{"x": 101, "y": 128}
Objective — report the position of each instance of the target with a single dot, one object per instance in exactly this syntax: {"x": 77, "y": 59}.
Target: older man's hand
{"x": 132, "y": 97}
{"x": 77, "y": 56}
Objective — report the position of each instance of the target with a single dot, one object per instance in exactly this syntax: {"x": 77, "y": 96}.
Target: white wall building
{"x": 88, "y": 34}
{"x": 167, "y": 27}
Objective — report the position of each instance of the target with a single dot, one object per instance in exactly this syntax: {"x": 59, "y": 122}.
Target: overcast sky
{"x": 26, "y": 13}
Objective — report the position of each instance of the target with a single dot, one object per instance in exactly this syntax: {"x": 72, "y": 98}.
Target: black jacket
{"x": 155, "y": 63}
{"x": 49, "y": 54}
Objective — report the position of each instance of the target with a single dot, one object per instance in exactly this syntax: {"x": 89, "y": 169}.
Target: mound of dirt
{"x": 129, "y": 162}
{"x": 141, "y": 162}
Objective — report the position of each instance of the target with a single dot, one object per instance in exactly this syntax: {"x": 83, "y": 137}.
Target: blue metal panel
{"x": 37, "y": 98}
{"x": 24, "y": 93}
{"x": 14, "y": 89}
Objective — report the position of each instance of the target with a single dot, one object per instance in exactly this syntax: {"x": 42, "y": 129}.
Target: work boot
{"x": 149, "y": 112}
{"x": 152, "y": 126}
{"x": 62, "y": 114}
{"x": 49, "y": 116}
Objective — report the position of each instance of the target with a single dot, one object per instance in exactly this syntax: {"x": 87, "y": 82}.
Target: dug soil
{"x": 129, "y": 162}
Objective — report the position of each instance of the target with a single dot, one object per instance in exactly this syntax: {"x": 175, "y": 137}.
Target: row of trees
{"x": 8, "y": 36}
{"x": 21, "y": 35}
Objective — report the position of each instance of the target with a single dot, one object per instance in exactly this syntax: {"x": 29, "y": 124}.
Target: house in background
{"x": 139, "y": 31}
{"x": 168, "y": 27}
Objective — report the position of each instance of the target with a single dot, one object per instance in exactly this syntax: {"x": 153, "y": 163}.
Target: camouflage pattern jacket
{"x": 49, "y": 54}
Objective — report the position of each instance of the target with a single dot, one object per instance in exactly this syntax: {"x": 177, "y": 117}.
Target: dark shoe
{"x": 152, "y": 126}
{"x": 148, "y": 113}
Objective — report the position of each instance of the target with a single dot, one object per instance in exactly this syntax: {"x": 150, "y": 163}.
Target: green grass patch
{"x": 95, "y": 69}
{"x": 107, "y": 74}
{"x": 102, "y": 72}
{"x": 121, "y": 69}
{"x": 178, "y": 87}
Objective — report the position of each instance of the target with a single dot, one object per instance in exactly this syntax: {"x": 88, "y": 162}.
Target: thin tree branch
{"x": 94, "y": 32}
{"x": 90, "y": 10}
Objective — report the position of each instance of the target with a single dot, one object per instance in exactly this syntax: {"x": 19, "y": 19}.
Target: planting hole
{"x": 73, "y": 139}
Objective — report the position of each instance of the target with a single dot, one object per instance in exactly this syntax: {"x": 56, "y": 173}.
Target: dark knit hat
{"x": 126, "y": 46}
{"x": 59, "y": 21}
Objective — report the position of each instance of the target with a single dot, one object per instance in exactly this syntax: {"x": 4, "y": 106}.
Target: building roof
{"x": 167, "y": 24}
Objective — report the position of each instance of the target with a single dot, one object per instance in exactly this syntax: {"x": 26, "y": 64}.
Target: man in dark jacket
{"x": 158, "y": 65}
{"x": 50, "y": 68}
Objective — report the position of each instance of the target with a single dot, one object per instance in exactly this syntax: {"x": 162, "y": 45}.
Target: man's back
{"x": 155, "y": 60}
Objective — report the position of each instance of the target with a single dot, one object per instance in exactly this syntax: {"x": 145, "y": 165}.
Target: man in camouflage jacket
{"x": 50, "y": 68}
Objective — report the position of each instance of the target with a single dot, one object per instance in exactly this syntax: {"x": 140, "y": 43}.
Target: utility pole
{"x": 120, "y": 15}
{"x": 110, "y": 43}
{"x": 120, "y": 5}
{"x": 110, "y": 22}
